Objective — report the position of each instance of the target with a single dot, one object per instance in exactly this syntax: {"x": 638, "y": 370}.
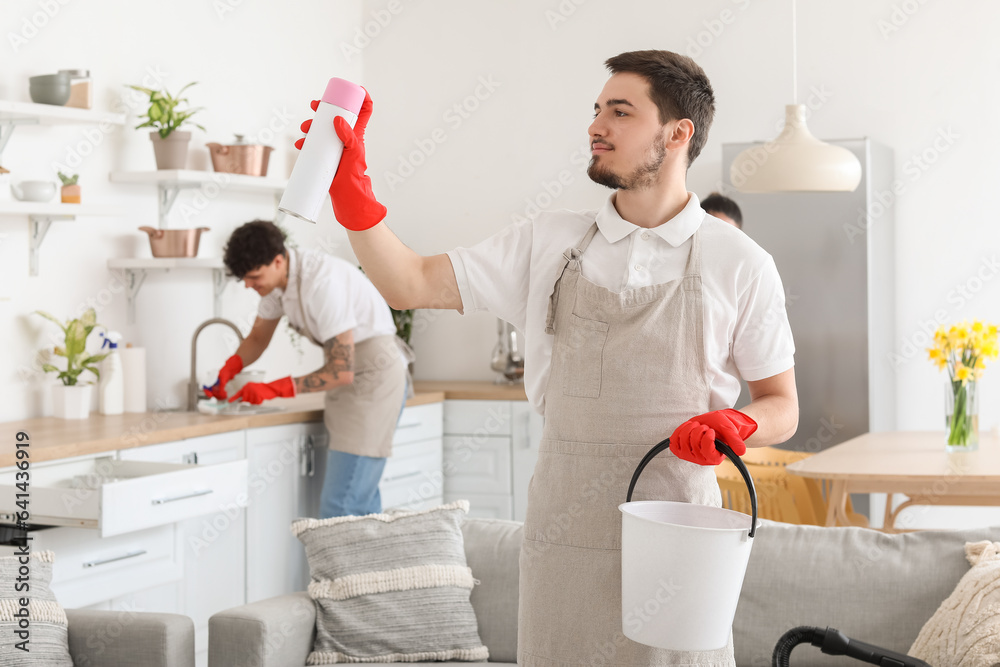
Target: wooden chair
{"x": 781, "y": 496}
{"x": 817, "y": 490}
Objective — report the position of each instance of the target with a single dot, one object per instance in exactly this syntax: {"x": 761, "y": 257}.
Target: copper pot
{"x": 174, "y": 242}
{"x": 240, "y": 158}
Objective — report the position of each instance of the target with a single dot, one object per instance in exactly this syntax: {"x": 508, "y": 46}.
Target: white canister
{"x": 134, "y": 375}
{"x": 81, "y": 89}
{"x": 309, "y": 185}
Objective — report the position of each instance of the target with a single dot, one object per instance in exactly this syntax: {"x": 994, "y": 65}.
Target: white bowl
{"x": 41, "y": 191}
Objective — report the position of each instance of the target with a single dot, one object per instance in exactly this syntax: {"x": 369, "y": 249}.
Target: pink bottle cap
{"x": 345, "y": 95}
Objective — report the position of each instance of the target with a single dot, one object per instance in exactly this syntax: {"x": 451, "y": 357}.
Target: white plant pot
{"x": 71, "y": 402}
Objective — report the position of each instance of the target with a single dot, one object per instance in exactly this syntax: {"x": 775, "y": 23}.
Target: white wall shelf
{"x": 169, "y": 182}
{"x": 13, "y": 114}
{"x": 41, "y": 215}
{"x": 135, "y": 270}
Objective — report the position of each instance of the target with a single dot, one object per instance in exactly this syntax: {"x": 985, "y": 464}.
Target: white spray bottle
{"x": 317, "y": 163}
{"x": 111, "y": 389}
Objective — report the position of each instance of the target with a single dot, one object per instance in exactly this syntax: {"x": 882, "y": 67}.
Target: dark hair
{"x": 678, "y": 87}
{"x": 724, "y": 205}
{"x": 253, "y": 245}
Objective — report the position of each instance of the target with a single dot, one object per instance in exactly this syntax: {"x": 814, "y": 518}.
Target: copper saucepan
{"x": 240, "y": 158}
{"x": 174, "y": 242}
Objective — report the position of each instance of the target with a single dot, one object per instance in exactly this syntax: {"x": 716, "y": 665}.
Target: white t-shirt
{"x": 511, "y": 275}
{"x": 337, "y": 297}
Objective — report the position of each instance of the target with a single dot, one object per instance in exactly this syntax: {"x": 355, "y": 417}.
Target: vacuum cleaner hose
{"x": 835, "y": 642}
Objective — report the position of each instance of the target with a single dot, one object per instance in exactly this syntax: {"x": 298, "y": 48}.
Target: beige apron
{"x": 361, "y": 417}
{"x": 627, "y": 369}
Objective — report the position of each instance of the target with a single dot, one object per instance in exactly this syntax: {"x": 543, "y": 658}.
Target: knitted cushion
{"x": 391, "y": 587}
{"x": 34, "y": 635}
{"x": 965, "y": 630}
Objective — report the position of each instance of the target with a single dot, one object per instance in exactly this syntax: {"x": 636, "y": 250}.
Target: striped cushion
{"x": 45, "y": 627}
{"x": 391, "y": 587}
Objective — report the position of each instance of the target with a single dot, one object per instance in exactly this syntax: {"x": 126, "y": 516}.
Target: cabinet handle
{"x": 312, "y": 457}
{"x": 411, "y": 425}
{"x": 403, "y": 476}
{"x": 170, "y": 499}
{"x": 131, "y": 554}
{"x": 307, "y": 466}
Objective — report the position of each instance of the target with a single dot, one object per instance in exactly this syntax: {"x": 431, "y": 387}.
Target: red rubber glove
{"x": 234, "y": 365}
{"x": 258, "y": 392}
{"x": 694, "y": 440}
{"x": 354, "y": 203}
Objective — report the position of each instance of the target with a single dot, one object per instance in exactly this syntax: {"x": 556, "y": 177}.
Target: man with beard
{"x": 639, "y": 318}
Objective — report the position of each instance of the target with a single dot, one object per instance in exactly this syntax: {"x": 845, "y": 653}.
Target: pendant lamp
{"x": 795, "y": 161}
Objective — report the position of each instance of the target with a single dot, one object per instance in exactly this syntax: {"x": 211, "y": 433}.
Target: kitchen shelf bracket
{"x": 38, "y": 227}
{"x": 133, "y": 283}
{"x": 168, "y": 195}
{"x": 7, "y": 128}
{"x": 218, "y": 287}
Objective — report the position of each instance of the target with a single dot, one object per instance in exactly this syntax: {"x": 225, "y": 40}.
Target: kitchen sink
{"x": 210, "y": 407}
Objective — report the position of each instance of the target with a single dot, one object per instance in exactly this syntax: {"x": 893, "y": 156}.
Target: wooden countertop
{"x": 473, "y": 390}
{"x": 53, "y": 438}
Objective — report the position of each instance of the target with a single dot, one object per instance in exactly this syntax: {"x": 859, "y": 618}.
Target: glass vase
{"x": 961, "y": 411}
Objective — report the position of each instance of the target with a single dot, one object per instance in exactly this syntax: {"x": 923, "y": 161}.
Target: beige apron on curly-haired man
{"x": 640, "y": 319}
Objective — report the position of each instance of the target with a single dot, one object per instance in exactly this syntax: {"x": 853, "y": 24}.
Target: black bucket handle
{"x": 722, "y": 447}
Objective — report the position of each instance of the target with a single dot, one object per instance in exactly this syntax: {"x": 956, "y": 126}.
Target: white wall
{"x": 902, "y": 72}
{"x": 915, "y": 75}
{"x": 258, "y": 64}
{"x": 901, "y": 78}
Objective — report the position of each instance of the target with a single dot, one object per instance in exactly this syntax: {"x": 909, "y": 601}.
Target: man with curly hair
{"x": 364, "y": 374}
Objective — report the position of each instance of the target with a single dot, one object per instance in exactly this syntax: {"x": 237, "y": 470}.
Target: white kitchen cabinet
{"x": 90, "y": 570}
{"x": 119, "y": 496}
{"x": 214, "y": 544}
{"x": 525, "y": 438}
{"x": 413, "y": 478}
{"x": 285, "y": 481}
{"x": 490, "y": 449}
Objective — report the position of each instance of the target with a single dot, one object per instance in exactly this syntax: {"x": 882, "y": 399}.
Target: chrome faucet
{"x": 194, "y": 390}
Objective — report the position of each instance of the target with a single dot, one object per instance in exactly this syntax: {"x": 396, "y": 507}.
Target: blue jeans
{"x": 350, "y": 486}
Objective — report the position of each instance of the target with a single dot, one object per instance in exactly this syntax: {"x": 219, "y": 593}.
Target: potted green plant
{"x": 70, "y": 192}
{"x": 71, "y": 398}
{"x": 170, "y": 145}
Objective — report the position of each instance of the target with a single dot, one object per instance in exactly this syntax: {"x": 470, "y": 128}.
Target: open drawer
{"x": 118, "y": 497}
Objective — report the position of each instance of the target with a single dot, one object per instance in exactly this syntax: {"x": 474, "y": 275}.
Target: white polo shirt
{"x": 337, "y": 297}
{"x": 511, "y": 275}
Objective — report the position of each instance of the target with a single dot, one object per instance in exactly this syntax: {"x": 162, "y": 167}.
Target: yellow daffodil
{"x": 963, "y": 373}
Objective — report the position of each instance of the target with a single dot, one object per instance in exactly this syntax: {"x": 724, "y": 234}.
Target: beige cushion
{"x": 877, "y": 588}
{"x": 47, "y": 641}
{"x": 965, "y": 630}
{"x": 391, "y": 587}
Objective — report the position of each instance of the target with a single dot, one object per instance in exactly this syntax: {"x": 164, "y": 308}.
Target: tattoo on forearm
{"x": 339, "y": 356}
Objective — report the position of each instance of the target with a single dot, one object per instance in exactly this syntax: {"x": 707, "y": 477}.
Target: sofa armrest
{"x": 130, "y": 639}
{"x": 277, "y": 632}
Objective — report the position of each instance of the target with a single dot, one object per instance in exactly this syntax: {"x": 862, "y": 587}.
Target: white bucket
{"x": 682, "y": 568}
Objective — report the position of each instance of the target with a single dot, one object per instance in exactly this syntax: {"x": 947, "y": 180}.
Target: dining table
{"x": 913, "y": 463}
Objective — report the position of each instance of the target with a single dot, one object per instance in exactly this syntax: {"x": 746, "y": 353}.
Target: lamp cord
{"x": 795, "y": 91}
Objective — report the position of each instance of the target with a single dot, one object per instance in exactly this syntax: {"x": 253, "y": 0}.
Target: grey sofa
{"x": 130, "y": 639}
{"x": 877, "y": 588}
